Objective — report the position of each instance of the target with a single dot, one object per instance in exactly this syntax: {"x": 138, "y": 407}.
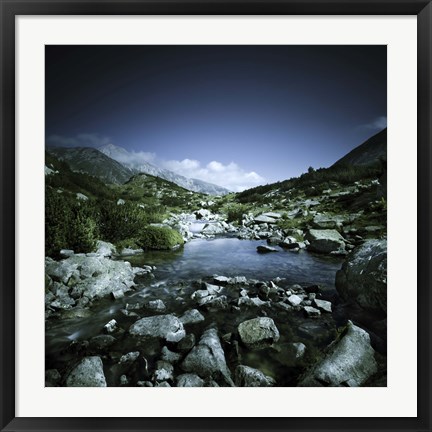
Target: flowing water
{"x": 177, "y": 276}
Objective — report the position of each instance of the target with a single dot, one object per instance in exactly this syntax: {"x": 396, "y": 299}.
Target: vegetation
{"x": 153, "y": 237}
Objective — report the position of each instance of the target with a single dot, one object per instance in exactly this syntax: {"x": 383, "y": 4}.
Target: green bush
{"x": 159, "y": 238}
{"x": 235, "y": 212}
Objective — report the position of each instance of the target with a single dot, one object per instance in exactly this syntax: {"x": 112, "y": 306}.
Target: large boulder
{"x": 189, "y": 380}
{"x": 327, "y": 241}
{"x": 213, "y": 228}
{"x": 349, "y": 362}
{"x": 363, "y": 277}
{"x": 88, "y": 373}
{"x": 207, "y": 359}
{"x": 166, "y": 327}
{"x": 258, "y": 333}
{"x": 246, "y": 376}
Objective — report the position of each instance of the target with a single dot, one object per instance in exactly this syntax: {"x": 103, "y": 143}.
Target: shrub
{"x": 159, "y": 238}
{"x": 235, "y": 212}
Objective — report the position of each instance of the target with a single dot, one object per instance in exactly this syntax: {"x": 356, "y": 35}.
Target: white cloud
{"x": 230, "y": 176}
{"x": 377, "y": 124}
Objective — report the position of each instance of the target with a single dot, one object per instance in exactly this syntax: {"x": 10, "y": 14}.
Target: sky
{"x": 236, "y": 116}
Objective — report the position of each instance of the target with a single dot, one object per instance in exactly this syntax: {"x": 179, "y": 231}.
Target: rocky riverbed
{"x": 127, "y": 328}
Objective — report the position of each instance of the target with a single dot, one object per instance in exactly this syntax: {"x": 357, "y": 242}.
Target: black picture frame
{"x": 11, "y": 8}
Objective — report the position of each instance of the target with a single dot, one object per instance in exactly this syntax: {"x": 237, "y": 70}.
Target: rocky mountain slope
{"x": 124, "y": 157}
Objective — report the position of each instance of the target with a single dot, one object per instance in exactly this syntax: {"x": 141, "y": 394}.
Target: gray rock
{"x": 300, "y": 349}
{"x": 325, "y": 241}
{"x": 101, "y": 342}
{"x": 266, "y": 249}
{"x": 246, "y": 376}
{"x": 323, "y": 305}
{"x": 272, "y": 215}
{"x": 213, "y": 228}
{"x": 349, "y": 362}
{"x": 164, "y": 371}
{"x": 187, "y": 343}
{"x": 258, "y": 333}
{"x": 363, "y": 277}
{"x": 105, "y": 249}
{"x": 192, "y": 316}
{"x": 265, "y": 219}
{"x": 170, "y": 356}
{"x": 129, "y": 358}
{"x": 166, "y": 327}
{"x": 162, "y": 384}
{"x": 207, "y": 359}
{"x": 221, "y": 280}
{"x": 189, "y": 380}
{"x": 111, "y": 326}
{"x": 294, "y": 300}
{"x": 311, "y": 311}
{"x": 88, "y": 373}
{"x": 251, "y": 302}
{"x": 156, "y": 305}
{"x": 66, "y": 253}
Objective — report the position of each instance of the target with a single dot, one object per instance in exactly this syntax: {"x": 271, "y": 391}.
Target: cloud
{"x": 377, "y": 124}
{"x": 80, "y": 140}
{"x": 230, "y": 176}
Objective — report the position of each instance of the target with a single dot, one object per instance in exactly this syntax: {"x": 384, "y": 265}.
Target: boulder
{"x": 294, "y": 300}
{"x": 213, "y": 228}
{"x": 363, "y": 277}
{"x": 349, "y": 362}
{"x": 246, "y": 376}
{"x": 156, "y": 305}
{"x": 258, "y": 333}
{"x": 164, "y": 371}
{"x": 323, "y": 305}
{"x": 266, "y": 249}
{"x": 264, "y": 219}
{"x": 325, "y": 241}
{"x": 170, "y": 356}
{"x": 207, "y": 359}
{"x": 166, "y": 327}
{"x": 192, "y": 316}
{"x": 311, "y": 311}
{"x": 88, "y": 373}
{"x": 105, "y": 249}
{"x": 189, "y": 380}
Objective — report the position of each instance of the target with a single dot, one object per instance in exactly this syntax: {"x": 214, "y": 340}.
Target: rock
{"x": 266, "y": 249}
{"x": 187, "y": 343}
{"x": 258, "y": 333}
{"x": 221, "y": 280}
{"x": 164, "y": 371}
{"x": 323, "y": 305}
{"x": 327, "y": 222}
{"x": 212, "y": 289}
{"x": 101, "y": 342}
{"x": 88, "y": 373}
{"x": 156, "y": 305}
{"x": 192, "y": 316}
{"x": 117, "y": 294}
{"x": 203, "y": 214}
{"x": 52, "y": 378}
{"x": 289, "y": 243}
{"x": 129, "y": 358}
{"x": 349, "y": 362}
{"x": 166, "y": 327}
{"x": 111, "y": 326}
{"x": 162, "y": 384}
{"x": 189, "y": 380}
{"x": 311, "y": 311}
{"x": 325, "y": 241}
{"x": 213, "y": 228}
{"x": 121, "y": 201}
{"x": 300, "y": 349}
{"x": 251, "y": 302}
{"x": 264, "y": 219}
{"x": 207, "y": 359}
{"x": 170, "y": 356}
{"x": 124, "y": 381}
{"x": 66, "y": 253}
{"x": 81, "y": 197}
{"x": 272, "y": 215}
{"x": 246, "y": 376}
{"x": 294, "y": 300}
{"x": 105, "y": 249}
{"x": 363, "y": 277}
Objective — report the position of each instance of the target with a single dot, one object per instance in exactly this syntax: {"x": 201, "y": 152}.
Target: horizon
{"x": 235, "y": 116}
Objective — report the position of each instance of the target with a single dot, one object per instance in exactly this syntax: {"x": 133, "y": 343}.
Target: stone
{"x": 164, "y": 371}
{"x": 189, "y": 380}
{"x": 166, "y": 327}
{"x": 264, "y": 219}
{"x": 207, "y": 359}
{"x": 311, "y": 311}
{"x": 187, "y": 343}
{"x": 66, "y": 253}
{"x": 117, "y": 294}
{"x": 300, "y": 349}
{"x": 129, "y": 358}
{"x": 192, "y": 316}
{"x": 156, "y": 305}
{"x": 246, "y": 376}
{"x": 350, "y": 361}
{"x": 258, "y": 333}
{"x": 111, "y": 326}
{"x": 101, "y": 342}
{"x": 363, "y": 276}
{"x": 162, "y": 384}
{"x": 272, "y": 215}
{"x": 105, "y": 249}
{"x": 124, "y": 381}
{"x": 266, "y": 249}
{"x": 323, "y": 305}
{"x": 325, "y": 241}
{"x": 251, "y": 302}
{"x": 294, "y": 300}
{"x": 88, "y": 373}
{"x": 213, "y": 228}
{"x": 221, "y": 280}
{"x": 81, "y": 197}
{"x": 170, "y": 356}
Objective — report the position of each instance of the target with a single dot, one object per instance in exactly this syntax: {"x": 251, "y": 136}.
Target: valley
{"x": 151, "y": 284}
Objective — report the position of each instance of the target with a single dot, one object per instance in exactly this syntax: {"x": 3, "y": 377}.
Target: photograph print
{"x": 215, "y": 216}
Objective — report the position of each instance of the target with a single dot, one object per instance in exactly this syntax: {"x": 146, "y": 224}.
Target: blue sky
{"x": 237, "y": 116}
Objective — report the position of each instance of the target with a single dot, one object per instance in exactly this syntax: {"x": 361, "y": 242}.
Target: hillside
{"x": 370, "y": 152}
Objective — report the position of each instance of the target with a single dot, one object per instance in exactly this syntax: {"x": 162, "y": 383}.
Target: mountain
{"x": 371, "y": 151}
{"x": 91, "y": 161}
{"x": 128, "y": 160}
